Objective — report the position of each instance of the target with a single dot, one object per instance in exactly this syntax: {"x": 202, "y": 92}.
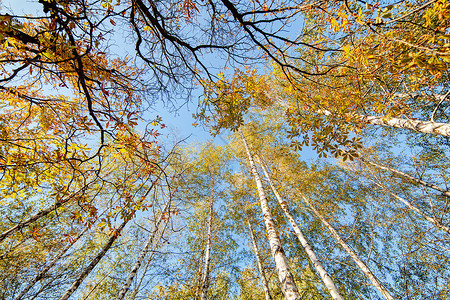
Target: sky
{"x": 178, "y": 120}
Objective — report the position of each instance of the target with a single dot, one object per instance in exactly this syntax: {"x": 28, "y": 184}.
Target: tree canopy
{"x": 99, "y": 201}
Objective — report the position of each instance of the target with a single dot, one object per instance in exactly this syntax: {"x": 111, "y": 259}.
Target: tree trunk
{"x": 49, "y": 266}
{"x": 407, "y": 176}
{"x": 288, "y": 286}
{"x": 364, "y": 268}
{"x": 309, "y": 251}
{"x": 32, "y": 219}
{"x": 258, "y": 261}
{"x": 47, "y": 286}
{"x": 205, "y": 276}
{"x": 94, "y": 262}
{"x": 198, "y": 283}
{"x": 137, "y": 287}
{"x": 45, "y": 212}
{"x": 142, "y": 255}
{"x": 435, "y": 221}
{"x": 428, "y": 127}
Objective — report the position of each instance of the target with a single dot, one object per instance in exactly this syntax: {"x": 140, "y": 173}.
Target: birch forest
{"x": 317, "y": 166}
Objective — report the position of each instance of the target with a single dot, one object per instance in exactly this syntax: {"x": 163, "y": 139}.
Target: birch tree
{"x": 50, "y": 265}
{"x": 286, "y": 279}
{"x": 291, "y": 174}
{"x": 205, "y": 274}
{"x": 77, "y": 134}
{"x": 364, "y": 268}
{"x": 256, "y": 280}
{"x": 259, "y": 263}
{"x": 407, "y": 176}
{"x": 332, "y": 289}
{"x": 418, "y": 213}
{"x": 206, "y": 247}
{"x": 158, "y": 227}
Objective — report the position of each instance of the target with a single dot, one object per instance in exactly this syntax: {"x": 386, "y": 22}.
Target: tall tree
{"x": 77, "y": 137}
{"x": 331, "y": 286}
{"x": 288, "y": 286}
{"x": 258, "y": 261}
{"x": 364, "y": 268}
{"x": 159, "y": 226}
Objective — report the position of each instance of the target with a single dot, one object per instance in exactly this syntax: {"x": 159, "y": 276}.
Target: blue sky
{"x": 178, "y": 120}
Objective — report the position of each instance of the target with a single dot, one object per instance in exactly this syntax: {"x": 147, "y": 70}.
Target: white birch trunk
{"x": 435, "y": 221}
{"x": 205, "y": 276}
{"x": 198, "y": 285}
{"x": 49, "y": 266}
{"x": 288, "y": 286}
{"x": 142, "y": 255}
{"x": 407, "y": 176}
{"x": 137, "y": 287}
{"x": 93, "y": 263}
{"x": 309, "y": 251}
{"x": 363, "y": 267}
{"x": 258, "y": 261}
{"x": 428, "y": 127}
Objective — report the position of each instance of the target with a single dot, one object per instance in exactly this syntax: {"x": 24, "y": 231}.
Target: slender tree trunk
{"x": 435, "y": 221}
{"x": 32, "y": 219}
{"x": 99, "y": 282}
{"x": 258, "y": 261}
{"x": 45, "y": 286}
{"x": 198, "y": 284}
{"x": 309, "y": 251}
{"x": 205, "y": 276}
{"x": 288, "y": 286}
{"x": 364, "y": 268}
{"x": 407, "y": 176}
{"x": 94, "y": 262}
{"x": 49, "y": 266}
{"x": 429, "y": 127}
{"x": 137, "y": 287}
{"x": 142, "y": 255}
{"x": 45, "y": 212}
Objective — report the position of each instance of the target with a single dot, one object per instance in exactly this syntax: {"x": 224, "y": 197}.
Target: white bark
{"x": 407, "y": 176}
{"x": 309, "y": 251}
{"x": 435, "y": 221}
{"x": 258, "y": 261}
{"x": 142, "y": 255}
{"x": 49, "y": 266}
{"x": 93, "y": 263}
{"x": 137, "y": 287}
{"x": 205, "y": 276}
{"x": 198, "y": 285}
{"x": 429, "y": 127}
{"x": 363, "y": 267}
{"x": 288, "y": 286}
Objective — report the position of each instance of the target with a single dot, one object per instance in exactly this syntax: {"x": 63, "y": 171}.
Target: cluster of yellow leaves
{"x": 391, "y": 47}
{"x": 231, "y": 99}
